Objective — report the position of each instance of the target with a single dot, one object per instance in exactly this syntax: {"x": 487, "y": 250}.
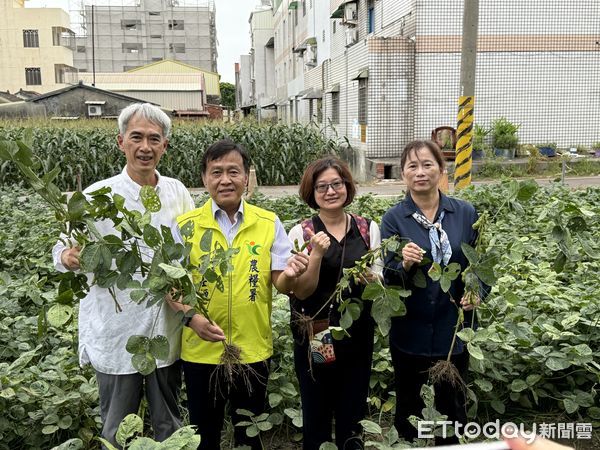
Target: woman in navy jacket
{"x": 436, "y": 226}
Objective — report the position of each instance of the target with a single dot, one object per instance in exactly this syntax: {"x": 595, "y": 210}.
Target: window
{"x": 154, "y": 13}
{"x": 334, "y": 26}
{"x": 335, "y": 107}
{"x": 363, "y": 99}
{"x": 303, "y": 8}
{"x": 177, "y": 48}
{"x": 310, "y": 110}
{"x": 323, "y": 35}
{"x": 31, "y": 38}
{"x": 64, "y": 74}
{"x": 81, "y": 49}
{"x": 128, "y": 68}
{"x": 33, "y": 76}
{"x": 156, "y": 58}
{"x": 131, "y": 48}
{"x": 176, "y": 25}
{"x": 371, "y": 17}
{"x": 131, "y": 25}
{"x": 156, "y": 36}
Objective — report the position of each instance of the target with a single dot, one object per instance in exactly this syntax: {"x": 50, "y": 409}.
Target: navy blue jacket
{"x": 428, "y": 325}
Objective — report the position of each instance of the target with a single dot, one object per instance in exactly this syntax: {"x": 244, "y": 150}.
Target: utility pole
{"x": 466, "y": 102}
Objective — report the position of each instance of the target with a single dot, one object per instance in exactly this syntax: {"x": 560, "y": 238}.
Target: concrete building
{"x": 136, "y": 33}
{"x": 76, "y": 101}
{"x": 36, "y": 48}
{"x": 383, "y": 72}
{"x": 256, "y": 87}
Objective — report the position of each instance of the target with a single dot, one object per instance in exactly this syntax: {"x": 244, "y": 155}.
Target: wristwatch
{"x": 185, "y": 320}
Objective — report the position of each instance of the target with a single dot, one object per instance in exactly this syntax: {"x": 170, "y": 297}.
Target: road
{"x": 393, "y": 188}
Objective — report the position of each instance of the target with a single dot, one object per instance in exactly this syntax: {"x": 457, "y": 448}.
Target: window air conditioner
{"x": 310, "y": 56}
{"x": 350, "y": 13}
{"x": 351, "y": 36}
{"x": 94, "y": 110}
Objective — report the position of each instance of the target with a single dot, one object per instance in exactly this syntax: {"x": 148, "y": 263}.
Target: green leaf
{"x": 554, "y": 363}
{"x": 146, "y": 443}
{"x": 370, "y": 427}
{"x": 107, "y": 444}
{"x": 518, "y": 385}
{"x": 445, "y": 283}
{"x": 470, "y": 253}
{"x": 95, "y": 257}
{"x": 206, "y": 241}
{"x": 76, "y": 206}
{"x": 498, "y": 406}
{"x": 137, "y": 344}
{"x": 143, "y": 363}
{"x": 59, "y": 314}
{"x": 138, "y": 295}
{"x": 150, "y": 199}
{"x": 264, "y": 426}
{"x": 152, "y": 237}
{"x": 435, "y": 272}
{"x": 559, "y": 262}
{"x": 594, "y": 412}
{"x": 373, "y": 291}
{"x": 275, "y": 399}
{"x": 65, "y": 422}
{"x": 419, "y": 279}
{"x": 570, "y": 405}
{"x": 173, "y": 271}
{"x": 328, "y": 446}
{"x": 159, "y": 347}
{"x": 71, "y": 444}
{"x": 354, "y": 310}
{"x": 466, "y": 334}
{"x": 50, "y": 429}
{"x": 187, "y": 230}
{"x": 252, "y": 431}
{"x": 533, "y": 379}
{"x": 130, "y": 426}
{"x": 346, "y": 320}
{"x": 484, "y": 385}
{"x": 475, "y": 351}
{"x": 527, "y": 188}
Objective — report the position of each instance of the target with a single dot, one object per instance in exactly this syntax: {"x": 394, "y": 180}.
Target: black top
{"x": 328, "y": 279}
{"x": 428, "y": 325}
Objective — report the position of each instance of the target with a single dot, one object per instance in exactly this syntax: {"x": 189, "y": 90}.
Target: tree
{"x": 227, "y": 95}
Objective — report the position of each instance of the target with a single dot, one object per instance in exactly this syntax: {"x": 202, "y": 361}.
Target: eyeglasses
{"x": 336, "y": 186}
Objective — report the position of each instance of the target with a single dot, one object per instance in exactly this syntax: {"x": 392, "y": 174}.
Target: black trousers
{"x": 338, "y": 390}
{"x": 410, "y": 373}
{"x": 208, "y": 394}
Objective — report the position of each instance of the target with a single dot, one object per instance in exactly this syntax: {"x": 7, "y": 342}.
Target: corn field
{"x": 89, "y": 150}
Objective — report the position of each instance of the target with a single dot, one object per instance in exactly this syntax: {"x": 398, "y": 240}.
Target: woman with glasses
{"x": 435, "y": 226}
{"x": 333, "y": 375}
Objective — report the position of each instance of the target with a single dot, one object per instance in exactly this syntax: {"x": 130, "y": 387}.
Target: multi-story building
{"x": 383, "y": 72}
{"x": 36, "y": 48}
{"x": 118, "y": 38}
{"x": 255, "y": 85}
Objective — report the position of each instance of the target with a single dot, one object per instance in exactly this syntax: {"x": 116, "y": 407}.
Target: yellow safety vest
{"x": 243, "y": 309}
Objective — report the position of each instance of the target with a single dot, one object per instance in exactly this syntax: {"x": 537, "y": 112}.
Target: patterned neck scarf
{"x": 440, "y": 245}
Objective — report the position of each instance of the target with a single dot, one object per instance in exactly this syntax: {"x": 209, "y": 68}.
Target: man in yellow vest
{"x": 242, "y": 312}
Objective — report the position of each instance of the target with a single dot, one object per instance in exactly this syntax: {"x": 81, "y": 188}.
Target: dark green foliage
{"x": 227, "y": 95}
{"x": 90, "y": 152}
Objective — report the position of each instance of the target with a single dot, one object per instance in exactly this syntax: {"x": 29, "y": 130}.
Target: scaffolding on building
{"x": 120, "y": 35}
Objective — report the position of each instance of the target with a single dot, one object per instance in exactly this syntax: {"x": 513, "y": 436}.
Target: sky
{"x": 233, "y": 30}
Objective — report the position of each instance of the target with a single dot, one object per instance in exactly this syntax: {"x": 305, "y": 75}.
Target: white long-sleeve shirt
{"x": 103, "y": 332}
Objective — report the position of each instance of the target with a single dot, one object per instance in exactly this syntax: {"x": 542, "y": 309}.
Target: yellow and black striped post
{"x": 464, "y": 142}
